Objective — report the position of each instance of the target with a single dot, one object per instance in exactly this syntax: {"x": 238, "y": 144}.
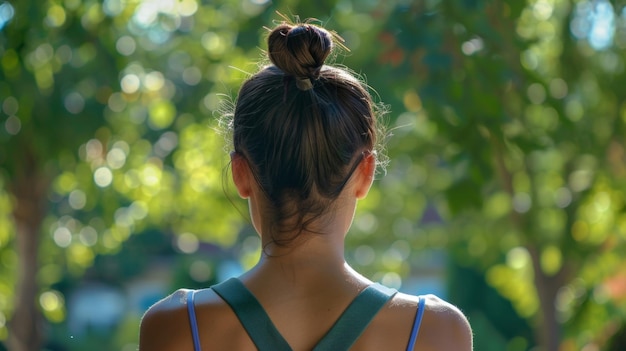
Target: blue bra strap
{"x": 192, "y": 320}
{"x": 416, "y": 324}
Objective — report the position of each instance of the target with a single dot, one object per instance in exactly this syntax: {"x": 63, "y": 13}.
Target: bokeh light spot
{"x": 536, "y": 93}
{"x": 138, "y": 210}
{"x": 10, "y": 106}
{"x": 412, "y": 101}
{"x": 62, "y": 237}
{"x": 213, "y": 43}
{"x": 161, "y": 114}
{"x": 116, "y": 102}
{"x": 517, "y": 258}
{"x": 521, "y": 202}
{"x": 77, "y": 199}
{"x": 542, "y": 10}
{"x": 56, "y": 16}
{"x": 13, "y": 125}
{"x": 200, "y": 271}
{"x": 562, "y": 197}
{"x": 551, "y": 259}
{"x": 392, "y": 280}
{"x": 88, "y": 236}
{"x": 187, "y": 7}
{"x": 103, "y": 177}
{"x": 187, "y": 243}
{"x": 154, "y": 81}
{"x": 6, "y": 14}
{"x": 116, "y": 158}
{"x": 125, "y": 45}
{"x": 93, "y": 150}
{"x": 192, "y": 76}
{"x": 74, "y": 103}
{"x": 472, "y": 46}
{"x": 50, "y": 300}
{"x": 113, "y": 7}
{"x": 130, "y": 83}
{"x": 558, "y": 88}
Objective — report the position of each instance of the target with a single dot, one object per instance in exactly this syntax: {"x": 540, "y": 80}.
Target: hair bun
{"x": 299, "y": 50}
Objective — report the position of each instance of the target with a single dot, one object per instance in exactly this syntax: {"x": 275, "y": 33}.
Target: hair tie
{"x": 304, "y": 84}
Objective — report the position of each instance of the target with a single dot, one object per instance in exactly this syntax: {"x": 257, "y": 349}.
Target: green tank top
{"x": 343, "y": 334}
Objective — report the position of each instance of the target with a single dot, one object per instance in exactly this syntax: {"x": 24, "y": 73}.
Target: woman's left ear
{"x": 366, "y": 170}
{"x": 241, "y": 174}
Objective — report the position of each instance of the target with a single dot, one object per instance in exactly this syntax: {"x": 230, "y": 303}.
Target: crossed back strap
{"x": 343, "y": 334}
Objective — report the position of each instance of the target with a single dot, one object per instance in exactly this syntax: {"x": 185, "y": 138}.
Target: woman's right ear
{"x": 241, "y": 174}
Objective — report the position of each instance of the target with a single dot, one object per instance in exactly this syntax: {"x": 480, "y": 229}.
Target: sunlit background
{"x": 505, "y": 190}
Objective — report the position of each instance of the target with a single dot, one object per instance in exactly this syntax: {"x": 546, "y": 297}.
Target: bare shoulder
{"x": 443, "y": 327}
{"x": 164, "y": 324}
{"x": 174, "y": 301}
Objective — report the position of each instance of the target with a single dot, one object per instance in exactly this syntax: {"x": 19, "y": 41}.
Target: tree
{"x": 507, "y": 120}
{"x": 90, "y": 125}
{"x": 109, "y": 115}
{"x": 516, "y": 124}
{"x": 38, "y": 110}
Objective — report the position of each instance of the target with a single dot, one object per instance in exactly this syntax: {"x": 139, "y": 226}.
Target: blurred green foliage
{"x": 508, "y": 149}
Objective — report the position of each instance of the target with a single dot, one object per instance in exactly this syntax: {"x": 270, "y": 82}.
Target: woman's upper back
{"x": 302, "y": 323}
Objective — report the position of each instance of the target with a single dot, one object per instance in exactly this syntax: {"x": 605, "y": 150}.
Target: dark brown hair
{"x": 302, "y": 126}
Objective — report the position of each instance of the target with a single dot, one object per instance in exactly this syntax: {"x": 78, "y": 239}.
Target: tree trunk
{"x": 548, "y": 331}
{"x": 29, "y": 188}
